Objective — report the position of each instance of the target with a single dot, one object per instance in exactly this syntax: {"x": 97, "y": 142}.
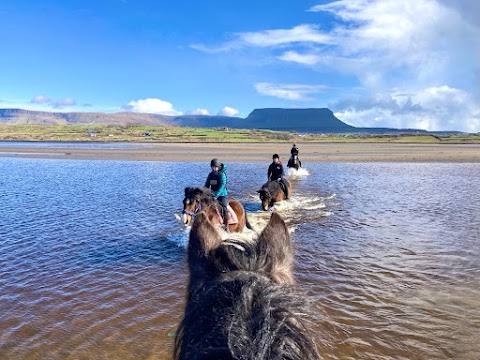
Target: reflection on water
{"x": 93, "y": 259}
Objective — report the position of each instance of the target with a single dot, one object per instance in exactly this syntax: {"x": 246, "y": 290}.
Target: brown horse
{"x": 294, "y": 162}
{"x": 241, "y": 298}
{"x": 201, "y": 199}
{"x": 272, "y": 192}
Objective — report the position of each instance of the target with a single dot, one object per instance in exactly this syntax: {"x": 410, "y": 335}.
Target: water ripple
{"x": 93, "y": 260}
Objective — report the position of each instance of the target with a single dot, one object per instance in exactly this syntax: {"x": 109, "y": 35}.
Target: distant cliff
{"x": 302, "y": 120}
{"x": 19, "y": 116}
{"x": 320, "y": 120}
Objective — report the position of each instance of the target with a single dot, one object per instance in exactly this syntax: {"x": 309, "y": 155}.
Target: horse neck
{"x": 207, "y": 202}
{"x": 272, "y": 186}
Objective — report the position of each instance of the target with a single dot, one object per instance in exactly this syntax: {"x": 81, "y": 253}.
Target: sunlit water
{"x": 92, "y": 257}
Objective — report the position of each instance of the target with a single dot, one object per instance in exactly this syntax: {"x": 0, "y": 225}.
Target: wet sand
{"x": 231, "y": 152}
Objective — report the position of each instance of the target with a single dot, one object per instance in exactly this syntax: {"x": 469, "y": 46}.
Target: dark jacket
{"x": 275, "y": 171}
{"x": 294, "y": 150}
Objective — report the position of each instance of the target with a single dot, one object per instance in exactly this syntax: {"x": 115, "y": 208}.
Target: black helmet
{"x": 215, "y": 162}
{"x": 294, "y": 145}
{"x": 275, "y": 156}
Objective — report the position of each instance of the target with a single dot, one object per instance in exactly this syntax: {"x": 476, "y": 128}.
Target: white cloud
{"x": 306, "y": 59}
{"x": 64, "y": 102}
{"x": 48, "y": 103}
{"x": 305, "y": 33}
{"x": 151, "y": 106}
{"x": 388, "y": 42}
{"x": 40, "y": 99}
{"x": 228, "y": 111}
{"x": 434, "y": 109}
{"x": 288, "y": 91}
{"x": 198, "y": 111}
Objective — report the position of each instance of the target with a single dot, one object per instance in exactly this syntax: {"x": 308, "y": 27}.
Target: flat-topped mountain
{"x": 302, "y": 120}
{"x": 315, "y": 120}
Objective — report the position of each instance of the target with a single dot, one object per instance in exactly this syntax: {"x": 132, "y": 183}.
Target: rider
{"x": 275, "y": 172}
{"x": 294, "y": 150}
{"x": 217, "y": 182}
{"x": 294, "y": 158}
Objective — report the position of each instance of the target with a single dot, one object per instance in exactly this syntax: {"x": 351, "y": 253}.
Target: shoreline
{"x": 244, "y": 152}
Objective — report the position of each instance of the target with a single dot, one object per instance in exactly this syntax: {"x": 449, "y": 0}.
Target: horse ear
{"x": 275, "y": 250}
{"x": 187, "y": 190}
{"x": 259, "y": 191}
{"x": 203, "y": 236}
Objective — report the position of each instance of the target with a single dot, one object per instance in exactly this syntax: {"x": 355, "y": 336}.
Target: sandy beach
{"x": 231, "y": 152}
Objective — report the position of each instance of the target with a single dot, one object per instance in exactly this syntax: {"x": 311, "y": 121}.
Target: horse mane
{"x": 201, "y": 194}
{"x": 241, "y": 298}
{"x": 270, "y": 187}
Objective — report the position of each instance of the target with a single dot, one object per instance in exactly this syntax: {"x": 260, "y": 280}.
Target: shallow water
{"x": 93, "y": 259}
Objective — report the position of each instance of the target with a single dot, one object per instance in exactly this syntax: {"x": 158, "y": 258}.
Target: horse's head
{"x": 240, "y": 302}
{"x": 210, "y": 256}
{"x": 192, "y": 202}
{"x": 266, "y": 197}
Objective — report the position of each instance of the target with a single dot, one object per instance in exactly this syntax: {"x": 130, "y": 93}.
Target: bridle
{"x": 195, "y": 212}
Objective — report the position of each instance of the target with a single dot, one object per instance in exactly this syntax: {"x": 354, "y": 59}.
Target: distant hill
{"x": 315, "y": 120}
{"x": 301, "y": 120}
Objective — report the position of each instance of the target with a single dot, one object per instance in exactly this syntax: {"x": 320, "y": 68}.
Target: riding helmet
{"x": 275, "y": 156}
{"x": 215, "y": 162}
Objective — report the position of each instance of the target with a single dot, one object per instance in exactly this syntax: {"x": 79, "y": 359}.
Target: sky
{"x": 374, "y": 63}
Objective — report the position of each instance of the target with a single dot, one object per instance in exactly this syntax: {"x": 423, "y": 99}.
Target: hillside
{"x": 302, "y": 120}
{"x": 313, "y": 120}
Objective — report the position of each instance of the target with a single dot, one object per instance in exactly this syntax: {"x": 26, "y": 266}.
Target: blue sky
{"x": 388, "y": 63}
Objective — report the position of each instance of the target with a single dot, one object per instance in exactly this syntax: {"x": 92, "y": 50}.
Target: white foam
{"x": 294, "y": 173}
{"x": 180, "y": 239}
{"x": 298, "y": 209}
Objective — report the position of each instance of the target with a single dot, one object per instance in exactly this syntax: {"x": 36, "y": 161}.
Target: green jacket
{"x": 221, "y": 188}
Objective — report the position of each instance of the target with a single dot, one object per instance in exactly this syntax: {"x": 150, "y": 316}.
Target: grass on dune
{"x": 145, "y": 133}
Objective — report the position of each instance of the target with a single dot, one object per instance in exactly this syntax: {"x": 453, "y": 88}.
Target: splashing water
{"x": 181, "y": 239}
{"x": 294, "y": 173}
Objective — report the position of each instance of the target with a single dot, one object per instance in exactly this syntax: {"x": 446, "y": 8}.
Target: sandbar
{"x": 244, "y": 152}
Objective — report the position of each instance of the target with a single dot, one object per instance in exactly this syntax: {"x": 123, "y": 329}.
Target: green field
{"x": 136, "y": 133}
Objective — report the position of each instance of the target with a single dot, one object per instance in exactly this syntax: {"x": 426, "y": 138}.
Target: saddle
{"x": 283, "y": 187}
{"x": 232, "y": 216}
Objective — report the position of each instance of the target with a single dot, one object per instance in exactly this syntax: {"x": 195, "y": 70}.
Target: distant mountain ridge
{"x": 315, "y": 120}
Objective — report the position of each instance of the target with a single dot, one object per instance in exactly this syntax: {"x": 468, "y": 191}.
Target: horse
{"x": 294, "y": 162}
{"x": 200, "y": 198}
{"x": 272, "y": 192}
{"x": 241, "y": 301}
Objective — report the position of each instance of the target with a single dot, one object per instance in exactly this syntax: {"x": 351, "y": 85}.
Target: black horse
{"x": 294, "y": 162}
{"x": 241, "y": 298}
{"x": 272, "y": 192}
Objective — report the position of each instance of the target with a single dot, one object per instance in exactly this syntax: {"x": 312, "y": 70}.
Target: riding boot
{"x": 225, "y": 219}
{"x": 285, "y": 189}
